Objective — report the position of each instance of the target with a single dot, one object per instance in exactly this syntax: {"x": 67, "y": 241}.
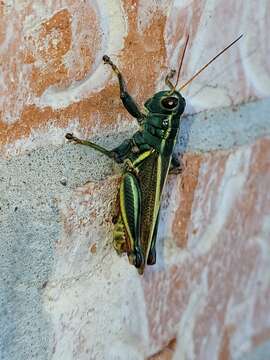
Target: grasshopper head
{"x": 166, "y": 102}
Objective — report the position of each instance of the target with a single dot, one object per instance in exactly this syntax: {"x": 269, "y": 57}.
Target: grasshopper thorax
{"x": 166, "y": 102}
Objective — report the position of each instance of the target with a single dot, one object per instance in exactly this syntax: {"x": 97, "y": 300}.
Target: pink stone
{"x": 213, "y": 293}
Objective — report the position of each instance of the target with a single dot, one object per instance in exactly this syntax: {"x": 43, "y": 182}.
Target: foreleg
{"x": 168, "y": 77}
{"x": 128, "y": 102}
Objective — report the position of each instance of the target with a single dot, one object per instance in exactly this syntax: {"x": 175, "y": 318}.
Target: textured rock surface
{"x": 64, "y": 293}
{"x": 51, "y": 58}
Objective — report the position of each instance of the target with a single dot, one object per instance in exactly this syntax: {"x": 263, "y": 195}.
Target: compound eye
{"x": 169, "y": 102}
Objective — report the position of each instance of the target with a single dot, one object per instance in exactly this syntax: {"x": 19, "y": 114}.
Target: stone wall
{"x": 64, "y": 292}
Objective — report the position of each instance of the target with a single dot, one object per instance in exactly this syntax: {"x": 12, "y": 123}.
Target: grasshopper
{"x": 148, "y": 157}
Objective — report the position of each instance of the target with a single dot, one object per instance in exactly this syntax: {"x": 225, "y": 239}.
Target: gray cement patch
{"x": 30, "y": 226}
{"x": 225, "y": 128}
{"x": 260, "y": 353}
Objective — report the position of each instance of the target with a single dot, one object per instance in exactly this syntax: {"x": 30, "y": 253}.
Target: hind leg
{"x": 122, "y": 243}
{"x": 119, "y": 236}
{"x": 130, "y": 208}
{"x": 151, "y": 259}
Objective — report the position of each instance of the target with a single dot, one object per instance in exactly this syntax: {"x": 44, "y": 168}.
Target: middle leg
{"x": 110, "y": 153}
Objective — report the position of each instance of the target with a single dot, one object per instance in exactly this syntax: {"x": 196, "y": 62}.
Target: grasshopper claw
{"x": 73, "y": 138}
{"x": 107, "y": 59}
{"x": 172, "y": 73}
{"x": 69, "y": 136}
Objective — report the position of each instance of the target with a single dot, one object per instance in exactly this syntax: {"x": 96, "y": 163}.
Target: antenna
{"x": 181, "y": 63}
{"x": 206, "y": 65}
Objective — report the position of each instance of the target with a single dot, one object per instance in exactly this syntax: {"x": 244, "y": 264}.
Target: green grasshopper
{"x": 148, "y": 157}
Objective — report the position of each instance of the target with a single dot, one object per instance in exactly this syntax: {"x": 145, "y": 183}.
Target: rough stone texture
{"x": 214, "y": 291}
{"x": 64, "y": 292}
{"x": 51, "y": 59}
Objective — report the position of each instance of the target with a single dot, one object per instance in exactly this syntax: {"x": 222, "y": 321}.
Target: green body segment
{"x": 142, "y": 186}
{"x": 139, "y": 209}
{"x": 147, "y": 157}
